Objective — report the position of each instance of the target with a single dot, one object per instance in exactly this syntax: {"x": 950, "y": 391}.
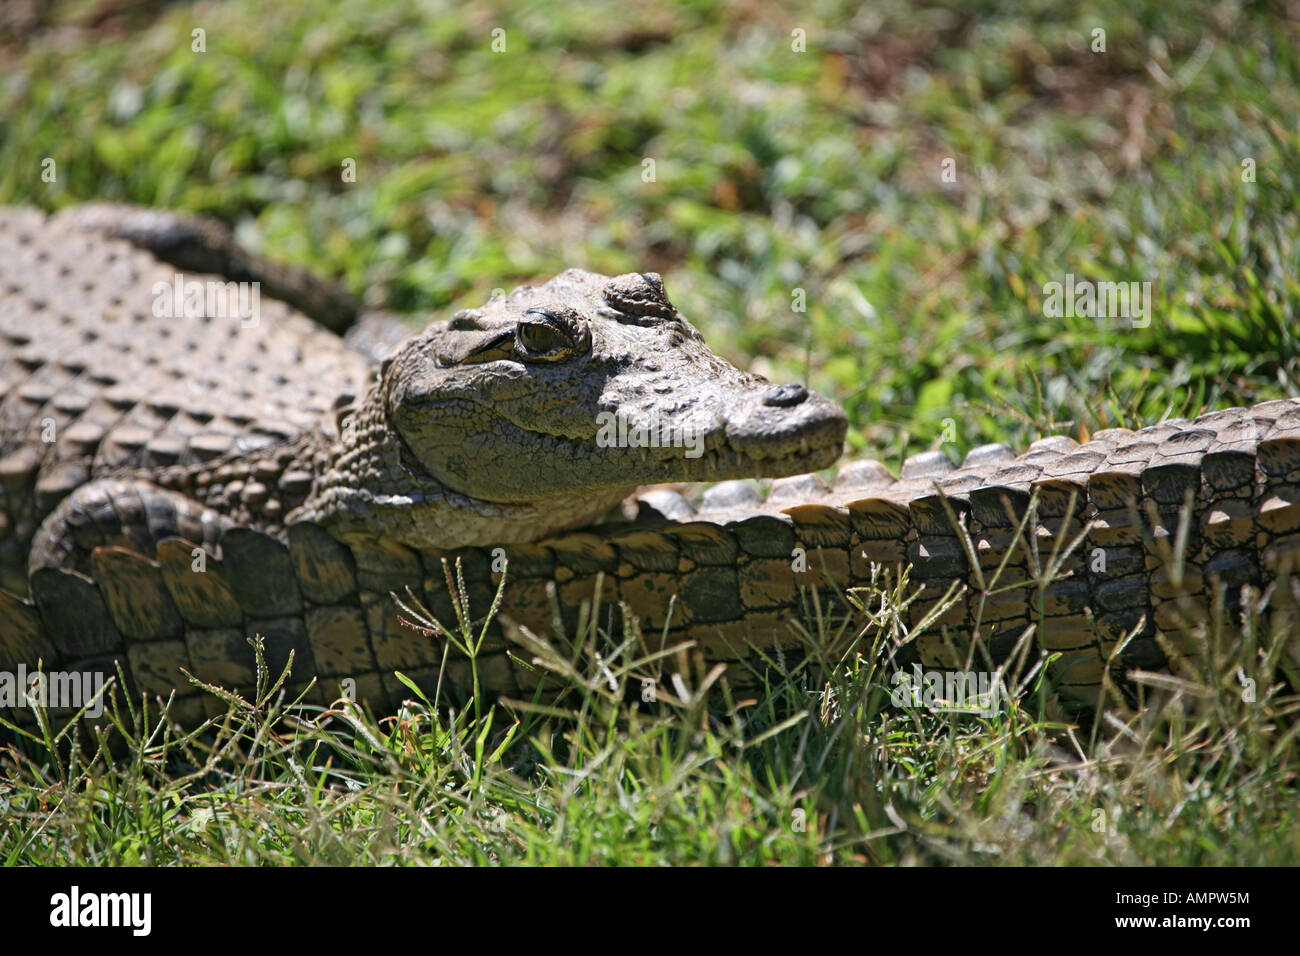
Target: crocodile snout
{"x": 785, "y": 396}
{"x": 785, "y": 429}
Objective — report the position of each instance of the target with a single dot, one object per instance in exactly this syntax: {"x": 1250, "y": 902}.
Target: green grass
{"x": 820, "y": 768}
{"x": 775, "y": 171}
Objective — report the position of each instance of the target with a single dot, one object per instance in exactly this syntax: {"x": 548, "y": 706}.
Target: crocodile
{"x": 184, "y": 464}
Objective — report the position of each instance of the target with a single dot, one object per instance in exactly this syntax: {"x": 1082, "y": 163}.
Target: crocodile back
{"x": 113, "y": 361}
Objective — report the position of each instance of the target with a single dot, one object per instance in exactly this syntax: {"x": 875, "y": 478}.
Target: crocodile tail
{"x": 62, "y": 631}
{"x": 85, "y": 631}
{"x": 148, "y": 619}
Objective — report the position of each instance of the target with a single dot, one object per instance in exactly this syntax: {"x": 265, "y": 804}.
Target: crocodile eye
{"x": 543, "y": 335}
{"x": 538, "y": 338}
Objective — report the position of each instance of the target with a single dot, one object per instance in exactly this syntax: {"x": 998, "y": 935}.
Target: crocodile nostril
{"x": 783, "y": 396}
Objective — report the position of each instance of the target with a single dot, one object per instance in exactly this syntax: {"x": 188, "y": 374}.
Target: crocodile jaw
{"x": 631, "y": 395}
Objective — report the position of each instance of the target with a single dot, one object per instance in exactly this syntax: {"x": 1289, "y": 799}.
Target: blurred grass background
{"x": 775, "y": 170}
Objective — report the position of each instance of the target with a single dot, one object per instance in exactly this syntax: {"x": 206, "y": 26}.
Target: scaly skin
{"x": 133, "y": 421}
{"x": 462, "y": 442}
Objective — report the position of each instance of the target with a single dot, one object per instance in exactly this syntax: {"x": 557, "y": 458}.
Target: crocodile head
{"x": 558, "y": 400}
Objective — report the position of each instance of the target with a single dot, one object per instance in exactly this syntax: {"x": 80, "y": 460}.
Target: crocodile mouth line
{"x": 726, "y": 458}
{"x": 723, "y": 460}
{"x": 718, "y": 448}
